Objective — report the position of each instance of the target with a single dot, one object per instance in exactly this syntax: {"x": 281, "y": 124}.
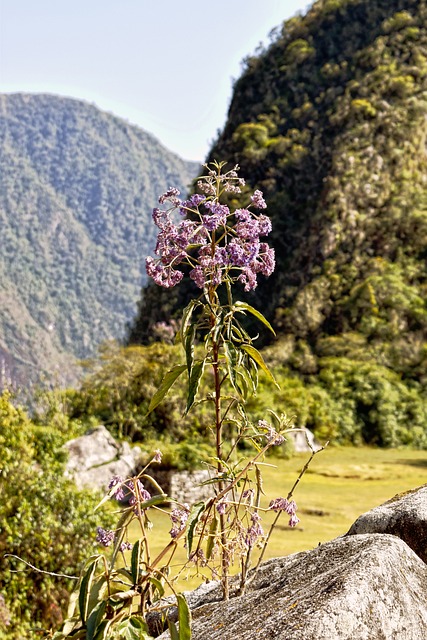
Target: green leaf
{"x": 213, "y": 530}
{"x": 135, "y": 561}
{"x": 194, "y": 517}
{"x": 173, "y": 630}
{"x": 85, "y": 586}
{"x": 243, "y": 306}
{"x": 184, "y": 618}
{"x": 134, "y": 628}
{"x": 186, "y": 318}
{"x": 94, "y": 620}
{"x": 232, "y": 359}
{"x": 165, "y": 385}
{"x": 189, "y": 347}
{"x": 193, "y": 386}
{"x": 158, "y": 586}
{"x": 257, "y": 357}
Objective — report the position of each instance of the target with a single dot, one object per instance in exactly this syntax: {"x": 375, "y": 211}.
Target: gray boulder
{"x": 93, "y": 459}
{"x": 359, "y": 587}
{"x": 404, "y": 516}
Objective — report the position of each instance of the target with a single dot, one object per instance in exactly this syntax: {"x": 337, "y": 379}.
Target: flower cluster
{"x": 106, "y": 538}
{"x": 289, "y": 506}
{"x": 179, "y": 517}
{"x": 129, "y": 491}
{"x": 255, "y": 531}
{"x": 212, "y": 240}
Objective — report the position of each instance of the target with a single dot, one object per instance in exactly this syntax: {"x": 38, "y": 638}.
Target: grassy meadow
{"x": 341, "y": 483}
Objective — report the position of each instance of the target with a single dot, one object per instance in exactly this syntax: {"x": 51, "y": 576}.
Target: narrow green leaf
{"x": 243, "y": 306}
{"x": 186, "y": 318}
{"x": 158, "y": 586}
{"x": 213, "y": 530}
{"x": 184, "y": 618}
{"x": 165, "y": 385}
{"x": 173, "y": 630}
{"x": 84, "y": 593}
{"x": 232, "y": 359}
{"x": 193, "y": 385}
{"x": 95, "y": 619}
{"x": 189, "y": 347}
{"x": 257, "y": 357}
{"x": 136, "y": 561}
{"x": 160, "y": 498}
{"x": 194, "y": 517}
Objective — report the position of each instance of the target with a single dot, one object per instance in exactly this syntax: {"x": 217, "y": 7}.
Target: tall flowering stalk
{"x": 219, "y": 247}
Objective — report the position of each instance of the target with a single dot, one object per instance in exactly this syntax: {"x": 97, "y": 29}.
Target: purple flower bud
{"x": 105, "y": 537}
{"x": 221, "y": 507}
{"x": 293, "y": 520}
{"x": 157, "y": 456}
{"x": 258, "y": 200}
{"x": 116, "y": 483}
{"x": 255, "y": 531}
{"x": 179, "y": 519}
{"x": 171, "y": 195}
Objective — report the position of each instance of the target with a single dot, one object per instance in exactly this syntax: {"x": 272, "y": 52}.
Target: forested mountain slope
{"x": 330, "y": 122}
{"x": 77, "y": 188}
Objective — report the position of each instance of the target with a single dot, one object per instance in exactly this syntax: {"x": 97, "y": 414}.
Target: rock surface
{"x": 404, "y": 516}
{"x": 359, "y": 587}
{"x": 93, "y": 459}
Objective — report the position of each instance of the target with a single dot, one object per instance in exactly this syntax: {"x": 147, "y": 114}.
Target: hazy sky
{"x": 165, "y": 65}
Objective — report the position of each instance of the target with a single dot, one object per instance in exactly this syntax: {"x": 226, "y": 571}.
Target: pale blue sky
{"x": 164, "y": 65}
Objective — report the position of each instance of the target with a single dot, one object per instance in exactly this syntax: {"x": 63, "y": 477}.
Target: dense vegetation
{"x": 330, "y": 123}
{"x": 77, "y": 188}
{"x": 44, "y": 520}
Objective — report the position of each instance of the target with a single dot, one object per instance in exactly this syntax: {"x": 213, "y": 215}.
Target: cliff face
{"x": 77, "y": 188}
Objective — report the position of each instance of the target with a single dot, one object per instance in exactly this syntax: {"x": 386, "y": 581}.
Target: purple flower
{"x": 171, "y": 195}
{"x": 157, "y": 456}
{"x": 258, "y": 200}
{"x": 179, "y": 519}
{"x": 105, "y": 537}
{"x": 117, "y": 483}
{"x": 282, "y": 504}
{"x": 264, "y": 225}
{"x": 197, "y": 274}
{"x": 293, "y": 520}
{"x": 242, "y": 252}
{"x": 218, "y": 216}
{"x": 248, "y": 494}
{"x": 164, "y": 276}
{"x": 125, "y": 546}
{"x": 140, "y": 494}
{"x": 266, "y": 260}
{"x": 221, "y": 507}
{"x": 248, "y": 279}
{"x": 255, "y": 531}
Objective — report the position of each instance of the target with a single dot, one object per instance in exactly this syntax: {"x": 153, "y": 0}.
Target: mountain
{"x": 330, "y": 122}
{"x": 77, "y": 187}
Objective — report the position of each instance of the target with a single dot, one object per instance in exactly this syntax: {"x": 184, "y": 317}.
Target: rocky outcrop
{"x": 404, "y": 516}
{"x": 363, "y": 587}
{"x": 93, "y": 459}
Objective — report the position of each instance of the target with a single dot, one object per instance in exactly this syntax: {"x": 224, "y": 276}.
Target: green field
{"x": 340, "y": 484}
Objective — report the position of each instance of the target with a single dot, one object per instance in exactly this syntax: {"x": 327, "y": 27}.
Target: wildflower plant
{"x": 218, "y": 247}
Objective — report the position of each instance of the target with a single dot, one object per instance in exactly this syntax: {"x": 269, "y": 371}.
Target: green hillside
{"x": 77, "y": 188}
{"x": 330, "y": 122}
